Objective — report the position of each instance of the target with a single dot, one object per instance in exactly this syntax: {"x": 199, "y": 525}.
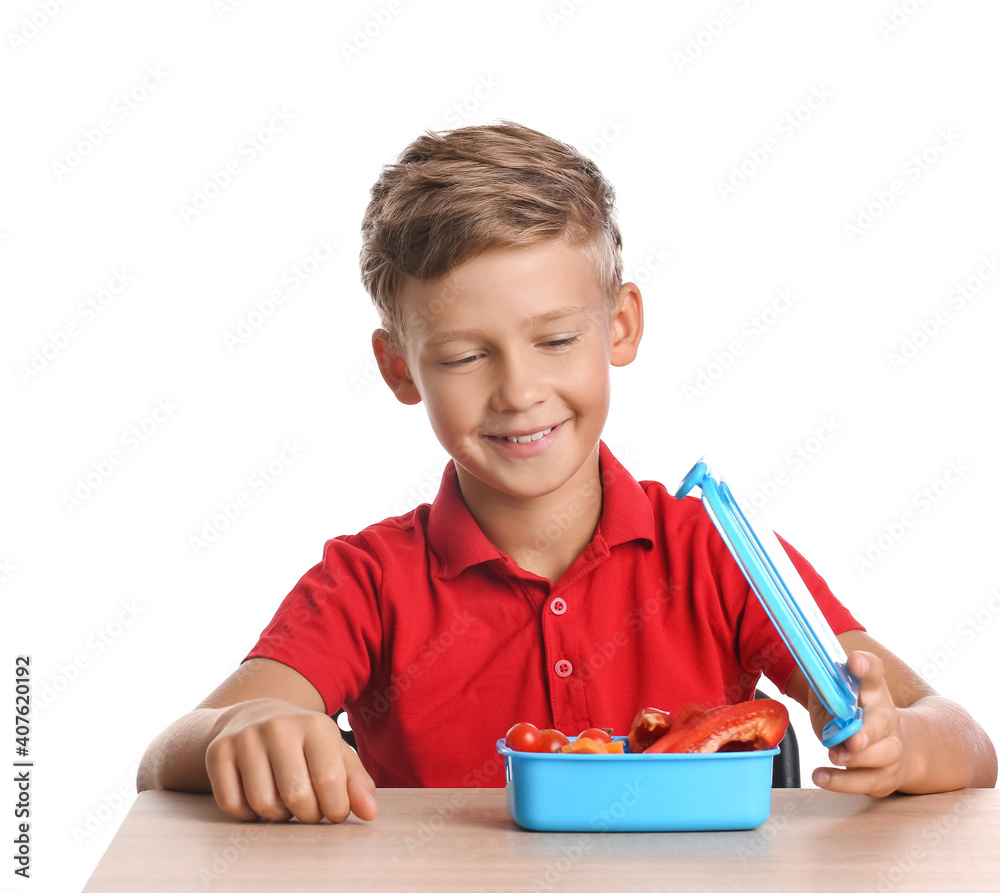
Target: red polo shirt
{"x": 436, "y": 642}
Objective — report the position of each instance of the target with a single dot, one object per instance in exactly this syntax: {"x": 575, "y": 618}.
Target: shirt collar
{"x": 459, "y": 543}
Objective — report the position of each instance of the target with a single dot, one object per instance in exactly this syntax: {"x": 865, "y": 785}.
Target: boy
{"x": 544, "y": 583}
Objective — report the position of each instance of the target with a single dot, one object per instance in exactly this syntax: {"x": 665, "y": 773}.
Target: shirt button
{"x": 563, "y": 668}
{"x": 557, "y": 606}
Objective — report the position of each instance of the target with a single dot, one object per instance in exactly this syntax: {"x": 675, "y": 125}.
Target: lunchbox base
{"x": 638, "y": 792}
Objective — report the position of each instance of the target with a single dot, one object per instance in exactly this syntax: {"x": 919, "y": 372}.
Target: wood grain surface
{"x": 464, "y": 839}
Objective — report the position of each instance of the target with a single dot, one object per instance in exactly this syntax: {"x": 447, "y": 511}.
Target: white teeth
{"x": 529, "y": 437}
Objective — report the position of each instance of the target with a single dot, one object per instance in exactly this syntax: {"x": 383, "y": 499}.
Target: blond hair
{"x": 451, "y": 195}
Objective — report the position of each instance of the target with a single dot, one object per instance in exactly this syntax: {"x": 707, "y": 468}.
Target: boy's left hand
{"x": 873, "y": 758}
{"x": 911, "y": 739}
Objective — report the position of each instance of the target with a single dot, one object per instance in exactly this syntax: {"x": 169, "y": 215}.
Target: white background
{"x": 669, "y": 110}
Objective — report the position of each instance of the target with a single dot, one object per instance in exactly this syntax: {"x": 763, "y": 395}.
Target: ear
{"x": 392, "y": 365}
{"x": 626, "y": 325}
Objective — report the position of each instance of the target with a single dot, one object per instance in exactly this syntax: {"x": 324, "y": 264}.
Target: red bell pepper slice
{"x": 688, "y": 713}
{"x": 759, "y": 723}
{"x": 650, "y": 724}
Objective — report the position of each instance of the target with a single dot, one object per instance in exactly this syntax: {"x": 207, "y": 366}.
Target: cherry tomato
{"x": 600, "y": 735}
{"x": 524, "y": 736}
{"x": 552, "y": 740}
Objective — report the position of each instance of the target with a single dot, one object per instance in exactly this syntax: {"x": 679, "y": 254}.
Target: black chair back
{"x": 785, "y": 769}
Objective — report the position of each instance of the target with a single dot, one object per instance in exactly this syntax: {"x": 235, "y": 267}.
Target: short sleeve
{"x": 328, "y": 627}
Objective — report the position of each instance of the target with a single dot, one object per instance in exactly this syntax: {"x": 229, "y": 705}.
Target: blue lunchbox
{"x": 637, "y": 791}
{"x": 693, "y": 792}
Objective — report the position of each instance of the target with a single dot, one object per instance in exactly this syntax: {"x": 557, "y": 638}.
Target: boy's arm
{"x": 913, "y": 740}
{"x": 263, "y": 743}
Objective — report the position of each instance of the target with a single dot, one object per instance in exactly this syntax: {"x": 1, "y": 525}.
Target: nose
{"x": 519, "y": 385}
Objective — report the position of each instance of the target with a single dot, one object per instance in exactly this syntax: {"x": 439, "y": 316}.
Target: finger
{"x": 360, "y": 788}
{"x": 884, "y": 753}
{"x": 327, "y": 773}
{"x": 876, "y": 727}
{"x": 227, "y": 787}
{"x": 292, "y": 779}
{"x": 873, "y": 782}
{"x": 869, "y": 670}
{"x": 259, "y": 785}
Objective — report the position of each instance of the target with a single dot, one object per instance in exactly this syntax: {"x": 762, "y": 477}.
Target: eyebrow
{"x": 532, "y": 322}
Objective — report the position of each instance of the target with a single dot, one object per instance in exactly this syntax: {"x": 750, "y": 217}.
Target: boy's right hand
{"x": 272, "y": 759}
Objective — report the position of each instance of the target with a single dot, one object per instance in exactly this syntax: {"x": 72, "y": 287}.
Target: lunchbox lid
{"x": 787, "y": 602}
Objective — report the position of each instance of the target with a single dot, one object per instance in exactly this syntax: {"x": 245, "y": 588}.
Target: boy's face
{"x": 514, "y": 343}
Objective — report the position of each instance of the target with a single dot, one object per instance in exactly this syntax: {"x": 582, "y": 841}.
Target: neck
{"x": 544, "y": 534}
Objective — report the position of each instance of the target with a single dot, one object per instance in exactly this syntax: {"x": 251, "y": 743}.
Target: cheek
{"x": 593, "y": 382}
{"x": 594, "y": 392}
{"x": 449, "y": 409}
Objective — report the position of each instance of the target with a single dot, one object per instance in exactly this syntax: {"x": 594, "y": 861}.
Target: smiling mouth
{"x": 526, "y": 438}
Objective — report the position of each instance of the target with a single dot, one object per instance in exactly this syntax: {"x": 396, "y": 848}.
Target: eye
{"x": 464, "y": 361}
{"x": 568, "y": 341}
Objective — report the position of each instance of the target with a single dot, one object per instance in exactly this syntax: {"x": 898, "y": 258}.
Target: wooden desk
{"x": 464, "y": 839}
